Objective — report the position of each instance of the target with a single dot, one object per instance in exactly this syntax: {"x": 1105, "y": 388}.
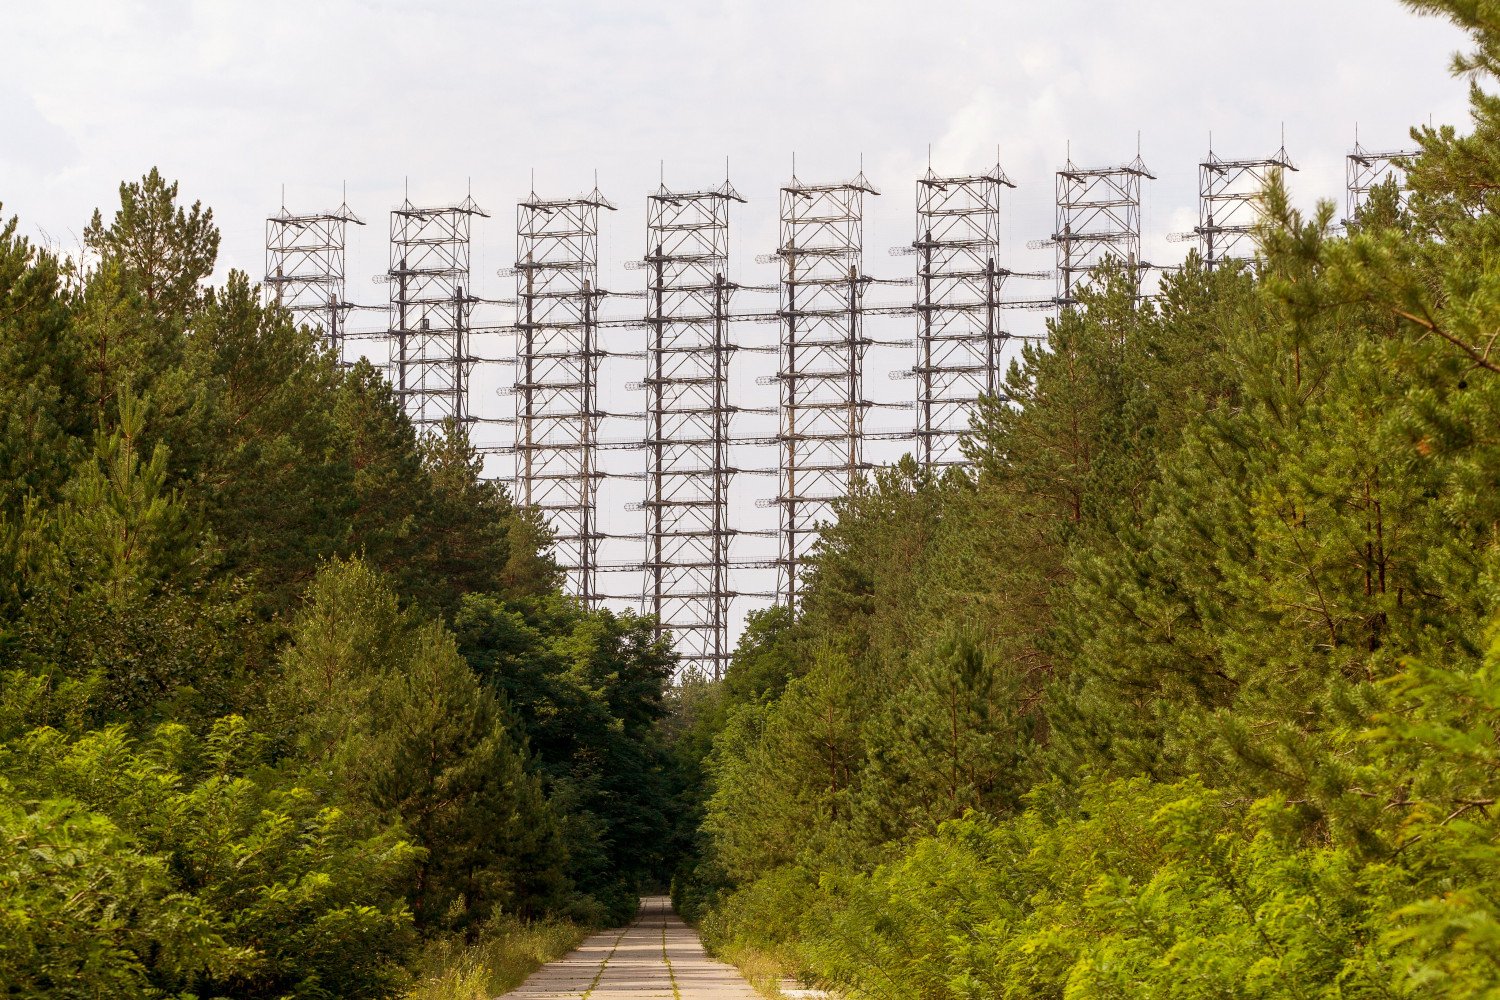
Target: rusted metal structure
{"x": 823, "y": 405}
{"x": 557, "y": 376}
{"x": 959, "y": 335}
{"x": 430, "y": 305}
{"x": 682, "y": 336}
{"x": 1366, "y": 170}
{"x": 1230, "y": 206}
{"x": 688, "y": 531}
{"x": 1098, "y": 216}
{"x": 305, "y": 269}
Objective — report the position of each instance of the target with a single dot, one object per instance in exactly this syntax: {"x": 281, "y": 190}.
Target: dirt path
{"x": 657, "y": 957}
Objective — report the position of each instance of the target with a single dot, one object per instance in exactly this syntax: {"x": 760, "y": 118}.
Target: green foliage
{"x": 1442, "y": 740}
{"x": 1189, "y": 688}
{"x": 163, "y": 248}
{"x": 394, "y": 718}
{"x": 117, "y": 588}
{"x": 226, "y": 882}
{"x": 763, "y": 661}
{"x": 1143, "y": 890}
{"x": 82, "y": 913}
{"x": 38, "y": 372}
{"x": 241, "y": 752}
{"x": 952, "y": 741}
{"x": 256, "y": 443}
{"x": 586, "y": 690}
{"x": 784, "y": 775}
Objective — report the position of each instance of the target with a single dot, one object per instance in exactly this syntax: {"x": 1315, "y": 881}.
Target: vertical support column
{"x": 305, "y": 269}
{"x": 430, "y": 306}
{"x": 822, "y": 353}
{"x": 958, "y": 281}
{"x": 557, "y": 409}
{"x": 1229, "y": 204}
{"x": 1365, "y": 170}
{"x": 1098, "y": 215}
{"x": 687, "y": 438}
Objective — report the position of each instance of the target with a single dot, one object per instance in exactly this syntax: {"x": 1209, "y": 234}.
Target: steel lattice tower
{"x": 305, "y": 269}
{"x": 1366, "y": 170}
{"x": 958, "y": 281}
{"x": 430, "y": 307}
{"x": 822, "y": 353}
{"x": 687, "y": 413}
{"x": 1229, "y": 204}
{"x": 557, "y": 407}
{"x": 1098, "y": 215}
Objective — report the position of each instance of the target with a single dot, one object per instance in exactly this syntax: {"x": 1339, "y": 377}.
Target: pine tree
{"x": 257, "y": 443}
{"x": 385, "y": 705}
{"x": 785, "y": 773}
{"x": 163, "y": 251}
{"x": 474, "y": 539}
{"x": 38, "y": 374}
{"x": 952, "y": 740}
{"x": 119, "y": 591}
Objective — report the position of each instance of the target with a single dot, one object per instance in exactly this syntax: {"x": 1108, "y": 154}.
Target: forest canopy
{"x": 1189, "y": 684}
{"x": 286, "y": 688}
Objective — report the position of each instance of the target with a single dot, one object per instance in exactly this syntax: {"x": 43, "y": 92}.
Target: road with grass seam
{"x": 655, "y": 957}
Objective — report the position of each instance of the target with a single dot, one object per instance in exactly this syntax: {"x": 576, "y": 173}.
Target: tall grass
{"x": 507, "y": 952}
{"x": 762, "y": 969}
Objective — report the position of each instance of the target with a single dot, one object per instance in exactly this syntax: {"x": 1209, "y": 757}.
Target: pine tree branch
{"x": 1479, "y": 358}
{"x": 1465, "y": 806}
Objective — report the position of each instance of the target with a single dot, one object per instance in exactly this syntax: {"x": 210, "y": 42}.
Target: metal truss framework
{"x": 430, "y": 308}
{"x": 822, "y": 352}
{"x": 1365, "y": 170}
{"x": 687, "y": 414}
{"x": 557, "y": 408}
{"x": 1098, "y": 215}
{"x": 823, "y": 342}
{"x": 958, "y": 334}
{"x": 305, "y": 269}
{"x": 1229, "y": 204}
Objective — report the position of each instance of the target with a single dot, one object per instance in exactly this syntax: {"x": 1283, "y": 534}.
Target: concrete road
{"x": 657, "y": 957}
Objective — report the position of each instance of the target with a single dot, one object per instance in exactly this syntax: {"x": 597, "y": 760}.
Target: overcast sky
{"x": 238, "y": 100}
